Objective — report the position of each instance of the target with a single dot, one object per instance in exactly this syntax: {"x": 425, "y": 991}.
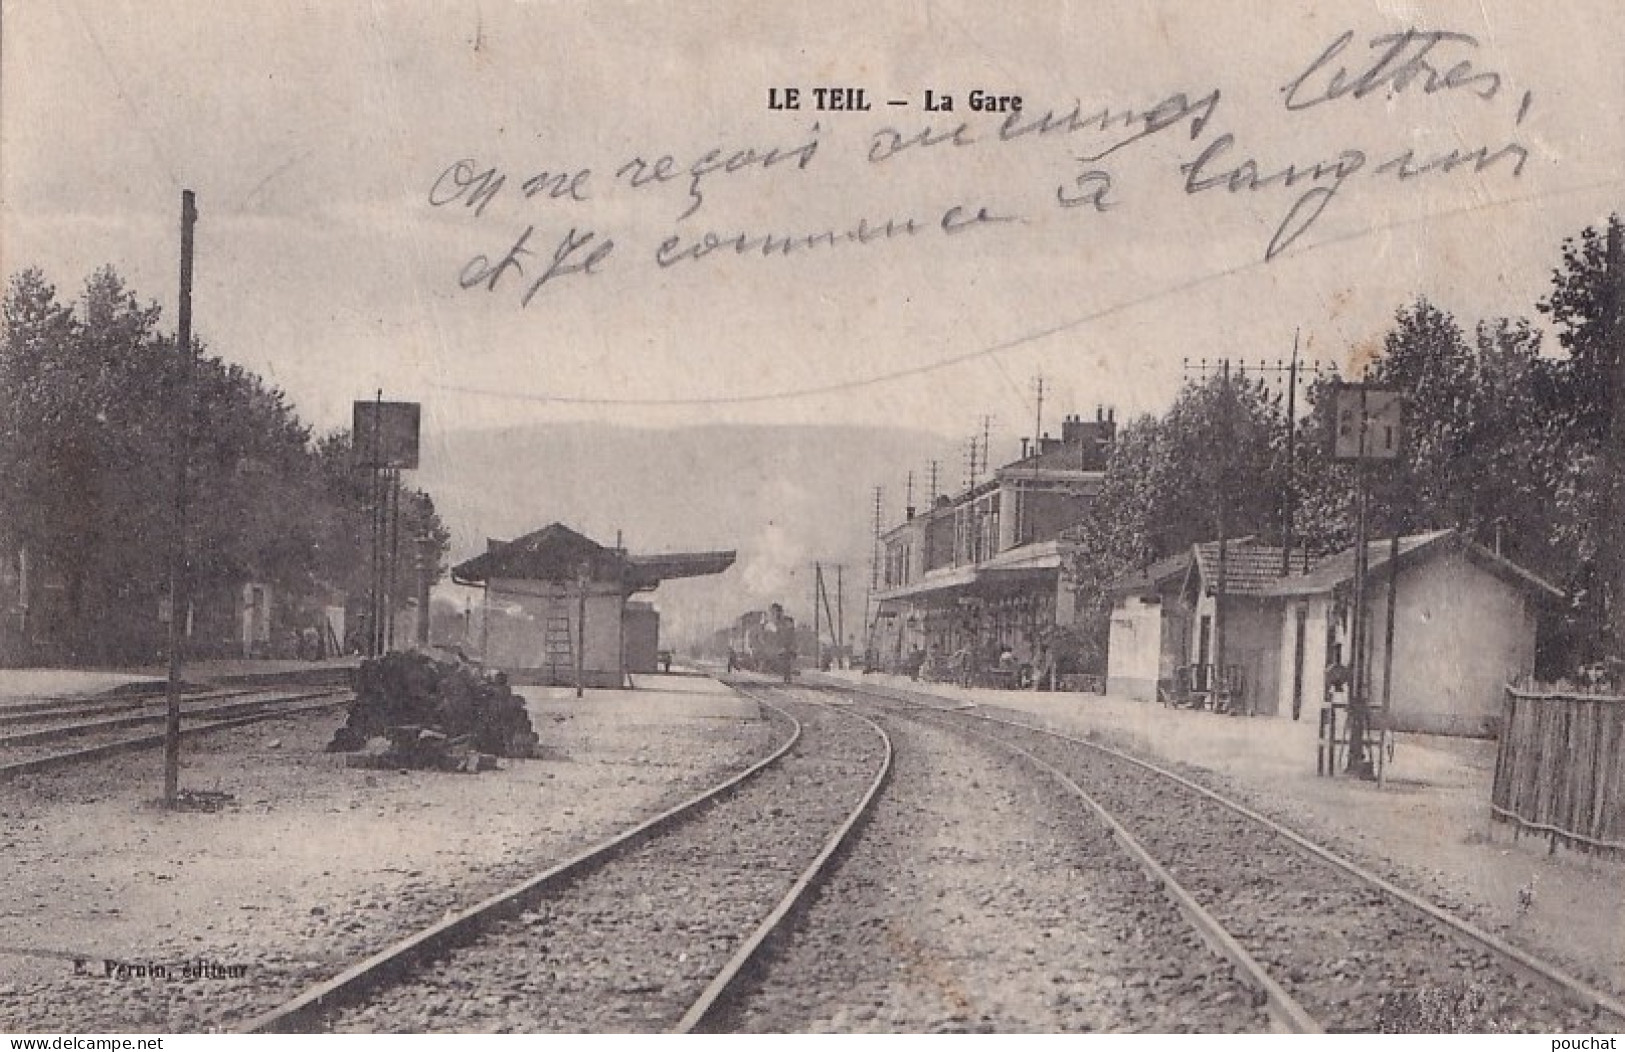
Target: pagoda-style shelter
{"x": 556, "y": 608}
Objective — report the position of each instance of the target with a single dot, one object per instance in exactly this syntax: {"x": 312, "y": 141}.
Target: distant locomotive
{"x": 764, "y": 641}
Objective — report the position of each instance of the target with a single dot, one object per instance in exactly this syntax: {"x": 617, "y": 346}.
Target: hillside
{"x": 782, "y": 496}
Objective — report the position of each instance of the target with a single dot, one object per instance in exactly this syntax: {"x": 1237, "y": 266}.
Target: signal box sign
{"x": 386, "y": 434}
{"x": 1368, "y": 422}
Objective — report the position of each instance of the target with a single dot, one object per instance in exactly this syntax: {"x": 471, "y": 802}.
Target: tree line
{"x": 88, "y": 424}
{"x": 1510, "y": 441}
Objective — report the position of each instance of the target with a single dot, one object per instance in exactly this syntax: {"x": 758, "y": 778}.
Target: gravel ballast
{"x": 631, "y": 944}
{"x": 296, "y": 865}
{"x": 1356, "y": 959}
{"x": 983, "y": 898}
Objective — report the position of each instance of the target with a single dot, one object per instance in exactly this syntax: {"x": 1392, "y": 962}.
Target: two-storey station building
{"x": 985, "y": 569}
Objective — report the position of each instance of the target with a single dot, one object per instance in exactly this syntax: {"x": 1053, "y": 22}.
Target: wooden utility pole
{"x": 375, "y": 603}
{"x": 870, "y": 612}
{"x": 1038, "y": 415}
{"x": 620, "y": 628}
{"x": 1225, "y": 440}
{"x": 178, "y": 592}
{"x": 582, "y": 577}
{"x": 840, "y": 618}
{"x": 818, "y": 638}
{"x": 392, "y": 578}
{"x": 1614, "y": 336}
{"x": 1290, "y": 496}
{"x": 427, "y": 553}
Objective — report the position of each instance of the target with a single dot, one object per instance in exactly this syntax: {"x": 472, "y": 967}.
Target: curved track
{"x": 981, "y": 900}
{"x": 1332, "y": 945}
{"x": 650, "y": 930}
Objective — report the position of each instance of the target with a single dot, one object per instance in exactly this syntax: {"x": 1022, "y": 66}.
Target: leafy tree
{"x": 87, "y": 474}
{"x": 1213, "y": 461}
{"x": 1577, "y": 398}
{"x": 1582, "y": 308}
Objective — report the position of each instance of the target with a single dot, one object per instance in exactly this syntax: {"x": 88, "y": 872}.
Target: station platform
{"x": 17, "y": 684}
{"x": 653, "y": 699}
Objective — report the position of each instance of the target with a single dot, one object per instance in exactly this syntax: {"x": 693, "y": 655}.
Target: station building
{"x": 1465, "y": 624}
{"x": 553, "y": 593}
{"x": 984, "y": 568}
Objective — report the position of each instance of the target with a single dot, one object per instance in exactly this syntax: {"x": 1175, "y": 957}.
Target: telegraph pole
{"x": 1225, "y": 440}
{"x": 1367, "y": 429}
{"x": 427, "y": 553}
{"x": 840, "y": 615}
{"x": 178, "y": 593}
{"x": 1038, "y": 415}
{"x": 392, "y": 579}
{"x": 818, "y": 638}
{"x": 1295, "y": 372}
{"x": 1221, "y": 494}
{"x": 1359, "y": 684}
{"x": 1290, "y": 497}
{"x": 870, "y": 614}
{"x": 375, "y": 597}
{"x": 583, "y": 575}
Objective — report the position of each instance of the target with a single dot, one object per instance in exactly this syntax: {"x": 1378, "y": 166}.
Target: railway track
{"x": 1327, "y": 944}
{"x": 59, "y": 737}
{"x": 43, "y": 710}
{"x": 981, "y": 901}
{"x": 654, "y": 929}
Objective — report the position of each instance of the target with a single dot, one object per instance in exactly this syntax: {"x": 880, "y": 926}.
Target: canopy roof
{"x": 557, "y": 553}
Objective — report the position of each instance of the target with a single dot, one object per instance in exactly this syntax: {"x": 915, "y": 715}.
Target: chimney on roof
{"x": 1100, "y": 413}
{"x": 1024, "y": 449}
{"x": 908, "y": 513}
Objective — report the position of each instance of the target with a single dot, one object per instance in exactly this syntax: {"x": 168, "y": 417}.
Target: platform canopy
{"x": 559, "y": 554}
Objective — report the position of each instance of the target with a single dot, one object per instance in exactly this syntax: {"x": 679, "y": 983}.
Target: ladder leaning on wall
{"x": 558, "y": 647}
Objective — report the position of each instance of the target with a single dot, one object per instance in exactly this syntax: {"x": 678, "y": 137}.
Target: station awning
{"x": 557, "y": 554}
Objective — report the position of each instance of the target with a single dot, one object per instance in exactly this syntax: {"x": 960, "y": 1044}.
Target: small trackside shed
{"x": 554, "y": 592}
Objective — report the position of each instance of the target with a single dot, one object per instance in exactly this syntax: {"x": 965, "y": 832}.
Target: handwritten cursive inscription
{"x": 1401, "y": 61}
{"x": 1103, "y": 161}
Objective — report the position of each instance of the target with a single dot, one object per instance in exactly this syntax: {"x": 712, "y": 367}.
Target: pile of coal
{"x": 412, "y": 710}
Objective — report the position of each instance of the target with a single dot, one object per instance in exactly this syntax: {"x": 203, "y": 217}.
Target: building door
{"x": 1204, "y": 642}
{"x": 256, "y": 623}
{"x": 1302, "y": 628}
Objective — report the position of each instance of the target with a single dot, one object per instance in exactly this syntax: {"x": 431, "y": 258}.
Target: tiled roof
{"x": 1254, "y": 569}
{"x": 1338, "y": 568}
{"x": 1250, "y": 568}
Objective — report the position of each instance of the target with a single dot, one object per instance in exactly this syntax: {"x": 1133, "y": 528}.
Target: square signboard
{"x": 1380, "y": 409}
{"x": 386, "y": 434}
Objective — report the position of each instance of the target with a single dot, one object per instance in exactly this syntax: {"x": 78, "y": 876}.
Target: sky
{"x": 362, "y": 171}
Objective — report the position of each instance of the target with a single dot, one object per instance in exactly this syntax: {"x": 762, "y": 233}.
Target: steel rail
{"x": 304, "y": 1011}
{"x": 123, "y": 745}
{"x": 1575, "y": 990}
{"x": 1285, "y": 1013}
{"x": 94, "y": 704}
{"x": 236, "y": 705}
{"x": 729, "y": 981}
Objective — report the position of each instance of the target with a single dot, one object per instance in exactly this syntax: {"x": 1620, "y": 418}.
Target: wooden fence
{"x": 1560, "y": 769}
